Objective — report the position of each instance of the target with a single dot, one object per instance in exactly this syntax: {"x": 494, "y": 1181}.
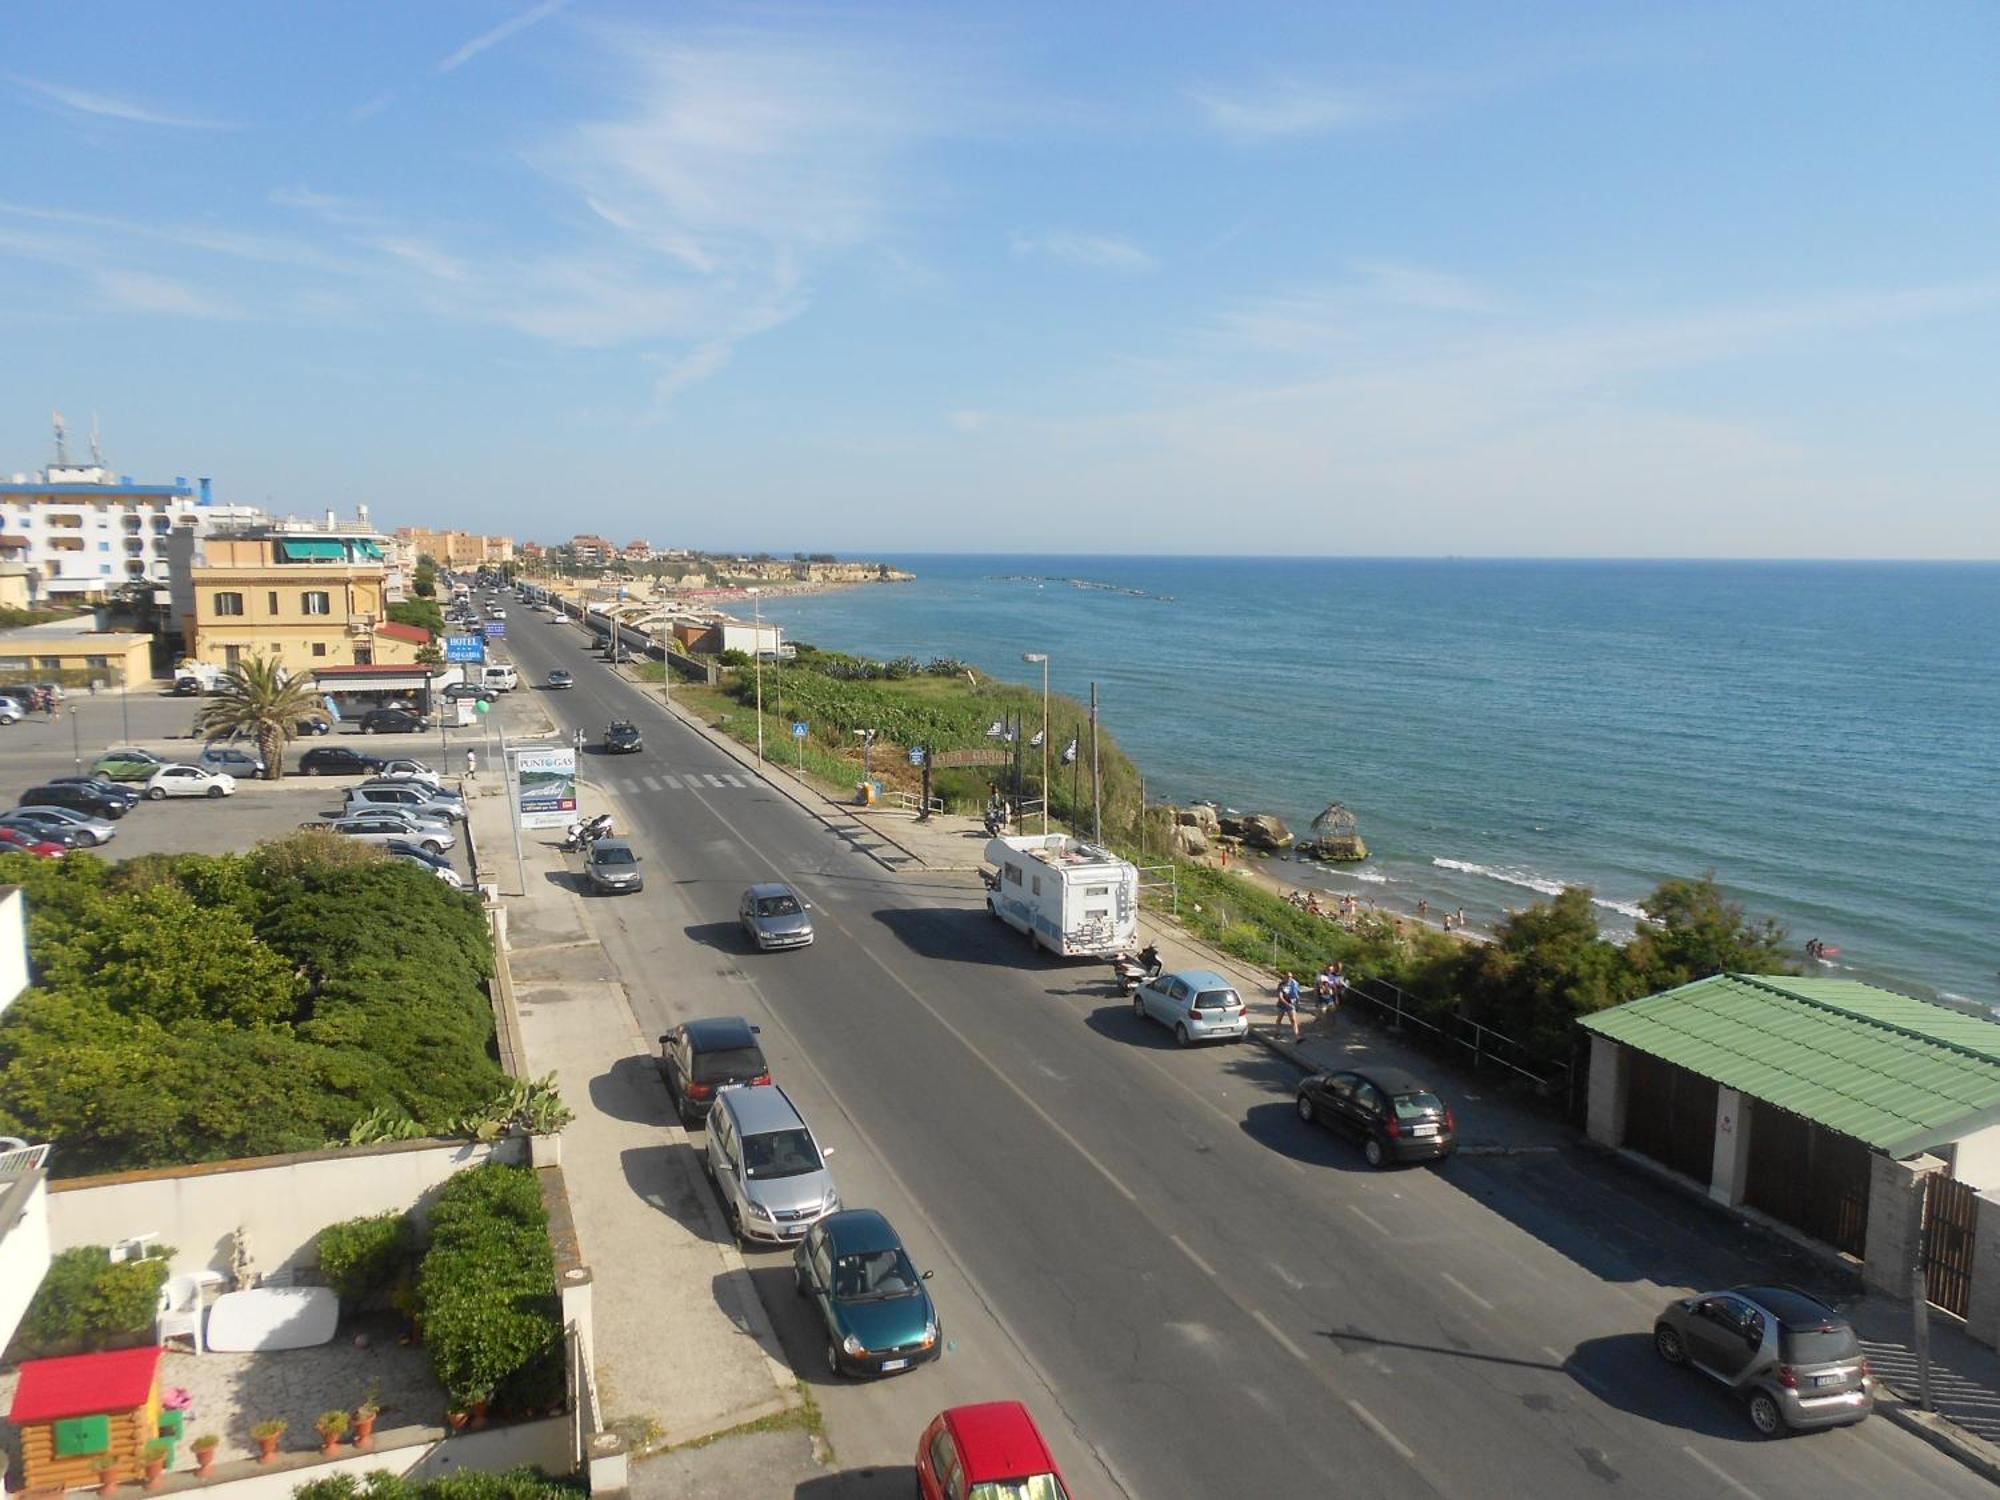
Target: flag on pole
{"x": 1069, "y": 751}
{"x": 994, "y": 730}
{"x": 1036, "y": 742}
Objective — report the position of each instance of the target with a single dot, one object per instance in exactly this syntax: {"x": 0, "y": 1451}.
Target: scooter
{"x": 996, "y": 822}
{"x": 1129, "y": 972}
{"x": 580, "y": 836}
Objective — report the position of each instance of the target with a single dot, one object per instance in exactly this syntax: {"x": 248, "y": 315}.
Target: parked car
{"x": 611, "y": 867}
{"x": 871, "y": 1300}
{"x": 245, "y": 763}
{"x": 407, "y": 768}
{"x": 45, "y": 821}
{"x": 386, "y": 826}
{"x": 770, "y": 1172}
{"x": 774, "y": 916}
{"x": 622, "y": 738}
{"x": 12, "y": 711}
{"x": 561, "y": 678}
{"x": 1197, "y": 1005}
{"x": 417, "y": 851}
{"x": 411, "y": 796}
{"x": 439, "y": 868}
{"x": 392, "y": 721}
{"x": 67, "y": 838}
{"x": 129, "y": 796}
{"x": 496, "y": 611}
{"x": 189, "y": 781}
{"x": 22, "y": 841}
{"x": 81, "y": 799}
{"x": 469, "y": 690}
{"x": 1793, "y": 1361}
{"x": 127, "y": 764}
{"x": 991, "y": 1449}
{"x": 698, "y": 1058}
{"x": 338, "y": 760}
{"x": 1394, "y": 1115}
{"x": 311, "y": 725}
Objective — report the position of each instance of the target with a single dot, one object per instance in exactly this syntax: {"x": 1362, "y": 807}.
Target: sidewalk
{"x": 683, "y": 1346}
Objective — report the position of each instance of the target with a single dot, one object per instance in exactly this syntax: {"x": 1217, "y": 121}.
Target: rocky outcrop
{"x": 1191, "y": 840}
{"x": 1259, "y": 831}
{"x": 1201, "y": 817}
{"x": 1343, "y": 849}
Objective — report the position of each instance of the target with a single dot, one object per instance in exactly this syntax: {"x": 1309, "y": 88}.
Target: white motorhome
{"x": 192, "y": 677}
{"x": 1069, "y": 897}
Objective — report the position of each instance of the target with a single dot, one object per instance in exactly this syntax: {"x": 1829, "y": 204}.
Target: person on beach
{"x": 1423, "y": 909}
{"x": 1288, "y": 1003}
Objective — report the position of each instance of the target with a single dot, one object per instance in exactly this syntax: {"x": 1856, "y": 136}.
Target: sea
{"x": 1824, "y": 737}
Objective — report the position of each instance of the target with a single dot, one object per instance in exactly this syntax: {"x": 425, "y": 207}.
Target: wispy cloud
{"x": 110, "y": 107}
{"x": 1324, "y": 319}
{"x": 510, "y": 27}
{"x": 1098, "y": 251}
{"x": 141, "y": 291}
{"x": 1423, "y": 287}
{"x": 1288, "y": 108}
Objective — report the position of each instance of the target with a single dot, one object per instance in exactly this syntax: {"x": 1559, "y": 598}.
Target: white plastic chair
{"x": 184, "y": 1306}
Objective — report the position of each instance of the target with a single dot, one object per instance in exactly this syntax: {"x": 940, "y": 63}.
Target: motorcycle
{"x": 1129, "y": 972}
{"x": 996, "y": 822}
{"x": 580, "y": 836}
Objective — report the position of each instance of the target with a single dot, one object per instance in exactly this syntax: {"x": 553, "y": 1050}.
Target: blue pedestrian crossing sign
{"x": 798, "y": 729}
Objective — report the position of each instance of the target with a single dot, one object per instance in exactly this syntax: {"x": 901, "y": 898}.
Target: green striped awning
{"x": 314, "y": 551}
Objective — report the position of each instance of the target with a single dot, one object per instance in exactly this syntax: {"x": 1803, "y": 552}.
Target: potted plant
{"x": 456, "y": 1419}
{"x": 156, "y": 1453}
{"x": 107, "y": 1474}
{"x": 204, "y": 1446}
{"x": 364, "y": 1420}
{"x": 267, "y": 1434}
{"x": 331, "y": 1427}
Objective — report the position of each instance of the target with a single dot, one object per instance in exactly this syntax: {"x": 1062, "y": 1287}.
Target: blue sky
{"x": 1545, "y": 279}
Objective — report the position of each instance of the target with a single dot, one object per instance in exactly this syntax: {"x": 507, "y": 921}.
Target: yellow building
{"x": 307, "y": 601}
{"x": 457, "y": 550}
{"x": 75, "y": 656}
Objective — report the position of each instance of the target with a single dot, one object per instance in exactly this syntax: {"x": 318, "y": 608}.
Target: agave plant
{"x": 258, "y": 698}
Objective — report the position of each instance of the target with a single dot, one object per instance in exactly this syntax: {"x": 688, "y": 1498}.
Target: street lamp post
{"x": 1043, "y": 658}
{"x": 757, "y": 642}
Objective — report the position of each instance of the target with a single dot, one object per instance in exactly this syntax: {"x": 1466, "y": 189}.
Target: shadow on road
{"x": 1623, "y": 1371}
{"x": 668, "y": 1185}
{"x": 567, "y": 880}
{"x": 1118, "y": 1023}
{"x": 960, "y": 936}
{"x": 631, "y": 1089}
{"x": 724, "y": 937}
{"x": 860, "y": 1484}
{"x": 1278, "y": 1127}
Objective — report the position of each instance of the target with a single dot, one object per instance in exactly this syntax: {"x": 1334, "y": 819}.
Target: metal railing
{"x": 1454, "y": 1031}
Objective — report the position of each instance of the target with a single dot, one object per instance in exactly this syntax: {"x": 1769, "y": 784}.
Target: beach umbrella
{"x": 1335, "y": 822}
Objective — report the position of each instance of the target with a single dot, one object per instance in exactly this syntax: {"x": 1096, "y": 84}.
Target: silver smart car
{"x": 1794, "y": 1362}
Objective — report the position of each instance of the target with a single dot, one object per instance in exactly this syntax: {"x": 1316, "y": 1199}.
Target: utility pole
{"x": 1096, "y": 787}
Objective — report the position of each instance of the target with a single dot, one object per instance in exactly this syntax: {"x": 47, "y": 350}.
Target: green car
{"x": 127, "y": 765}
{"x": 877, "y": 1315}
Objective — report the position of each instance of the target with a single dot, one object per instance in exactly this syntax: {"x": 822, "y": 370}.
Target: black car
{"x": 622, "y": 738}
{"x": 1393, "y": 1114}
{"x": 130, "y": 796}
{"x": 81, "y": 799}
{"x": 314, "y": 724}
{"x": 392, "y": 721}
{"x": 702, "y": 1056}
{"x": 338, "y": 760}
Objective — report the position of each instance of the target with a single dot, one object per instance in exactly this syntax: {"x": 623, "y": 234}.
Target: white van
{"x": 1068, "y": 896}
{"x": 500, "y": 676}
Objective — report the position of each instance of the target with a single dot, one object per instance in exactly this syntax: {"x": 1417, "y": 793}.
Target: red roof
{"x": 83, "y": 1385}
{"x": 415, "y": 634}
{"x": 998, "y": 1440}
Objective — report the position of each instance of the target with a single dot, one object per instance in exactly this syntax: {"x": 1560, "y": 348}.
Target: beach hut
{"x": 73, "y": 1412}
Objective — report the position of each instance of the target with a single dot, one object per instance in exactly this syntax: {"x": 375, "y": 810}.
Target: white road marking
{"x": 732, "y": 780}
{"x": 651, "y": 785}
{"x": 1374, "y": 1425}
{"x": 1720, "y": 1473}
{"x": 1284, "y": 1339}
{"x": 1286, "y": 1276}
{"x": 715, "y": 781}
{"x": 1365, "y": 1217}
{"x": 1465, "y": 1290}
{"x": 628, "y": 784}
{"x": 672, "y": 781}
{"x": 1182, "y": 1245}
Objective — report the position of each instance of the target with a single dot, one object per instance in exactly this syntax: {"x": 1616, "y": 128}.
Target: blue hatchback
{"x": 872, "y": 1303}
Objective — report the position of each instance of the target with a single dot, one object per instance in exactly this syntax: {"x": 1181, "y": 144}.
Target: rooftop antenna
{"x": 62, "y": 443}
{"x": 96, "y": 448}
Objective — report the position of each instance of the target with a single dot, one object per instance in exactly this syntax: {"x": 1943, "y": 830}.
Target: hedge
{"x": 85, "y": 1303}
{"x": 486, "y": 1292}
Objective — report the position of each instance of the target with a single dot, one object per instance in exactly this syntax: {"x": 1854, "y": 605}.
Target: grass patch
{"x": 806, "y": 1417}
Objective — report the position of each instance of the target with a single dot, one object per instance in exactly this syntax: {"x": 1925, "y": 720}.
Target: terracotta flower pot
{"x": 107, "y": 1479}
{"x": 204, "y": 1460}
{"x": 328, "y": 1446}
{"x": 478, "y": 1414}
{"x": 267, "y": 1447}
{"x": 364, "y": 1431}
{"x": 456, "y": 1420}
{"x": 156, "y": 1470}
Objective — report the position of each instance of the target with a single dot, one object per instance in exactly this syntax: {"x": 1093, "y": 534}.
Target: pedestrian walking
{"x": 1288, "y": 1003}
{"x": 471, "y": 765}
{"x": 1339, "y": 990}
{"x": 1323, "y": 988}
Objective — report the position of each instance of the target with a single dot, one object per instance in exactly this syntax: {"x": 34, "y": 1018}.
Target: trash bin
{"x": 864, "y": 793}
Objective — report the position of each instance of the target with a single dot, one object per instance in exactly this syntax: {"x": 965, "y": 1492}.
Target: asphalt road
{"x": 1221, "y": 1299}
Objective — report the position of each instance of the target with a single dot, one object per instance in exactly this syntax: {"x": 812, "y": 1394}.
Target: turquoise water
{"x": 1825, "y": 737}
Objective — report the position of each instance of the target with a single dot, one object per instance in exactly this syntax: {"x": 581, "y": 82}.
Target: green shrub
{"x": 87, "y": 1303}
{"x": 462, "y": 1484}
{"x": 487, "y": 1292}
{"x": 365, "y": 1257}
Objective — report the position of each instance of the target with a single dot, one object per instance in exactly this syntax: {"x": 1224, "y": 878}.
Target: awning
{"x": 313, "y": 551}
{"x": 369, "y": 549}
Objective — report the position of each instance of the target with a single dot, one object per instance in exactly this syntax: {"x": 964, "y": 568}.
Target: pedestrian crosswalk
{"x": 686, "y": 781}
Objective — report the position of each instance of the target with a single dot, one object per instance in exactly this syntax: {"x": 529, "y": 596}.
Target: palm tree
{"x": 259, "y": 699}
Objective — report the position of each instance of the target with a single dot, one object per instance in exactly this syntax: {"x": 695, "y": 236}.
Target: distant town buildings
{"x": 458, "y": 549}
{"x": 592, "y": 551}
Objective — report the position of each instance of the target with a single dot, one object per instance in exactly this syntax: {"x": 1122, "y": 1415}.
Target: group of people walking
{"x": 1329, "y": 989}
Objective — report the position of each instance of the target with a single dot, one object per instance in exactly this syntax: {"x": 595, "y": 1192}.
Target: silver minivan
{"x": 770, "y": 1172}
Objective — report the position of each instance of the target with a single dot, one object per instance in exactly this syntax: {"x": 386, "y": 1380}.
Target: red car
{"x": 987, "y": 1452}
{"x": 14, "y": 841}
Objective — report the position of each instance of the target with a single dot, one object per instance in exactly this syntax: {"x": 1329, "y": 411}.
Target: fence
{"x": 1457, "y": 1034}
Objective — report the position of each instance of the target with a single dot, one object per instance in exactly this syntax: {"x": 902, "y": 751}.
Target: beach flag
{"x": 1036, "y": 742}
{"x": 994, "y": 730}
{"x": 1069, "y": 751}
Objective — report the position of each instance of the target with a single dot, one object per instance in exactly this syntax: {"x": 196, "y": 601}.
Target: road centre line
{"x": 1374, "y": 1425}
{"x": 1367, "y": 1218}
{"x": 1465, "y": 1290}
{"x": 1720, "y": 1473}
{"x": 1284, "y": 1339}
{"x": 1182, "y": 1245}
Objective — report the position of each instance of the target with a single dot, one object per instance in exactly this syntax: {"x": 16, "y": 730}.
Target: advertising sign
{"x": 464, "y": 648}
{"x": 545, "y": 783}
{"x": 496, "y": 629}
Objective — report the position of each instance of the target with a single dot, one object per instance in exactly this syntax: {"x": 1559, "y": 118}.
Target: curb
{"x": 1943, "y": 1434}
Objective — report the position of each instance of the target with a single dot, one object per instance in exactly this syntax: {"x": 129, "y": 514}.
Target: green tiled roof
{"x": 1900, "y": 1074}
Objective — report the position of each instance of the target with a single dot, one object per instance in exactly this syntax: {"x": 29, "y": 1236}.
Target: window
{"x": 272, "y": 600}
{"x": 97, "y": 663}
{"x": 104, "y": 546}
{"x": 1038, "y": 885}
{"x": 319, "y": 648}
{"x": 228, "y": 604}
{"x": 317, "y": 602}
{"x": 1013, "y": 873}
